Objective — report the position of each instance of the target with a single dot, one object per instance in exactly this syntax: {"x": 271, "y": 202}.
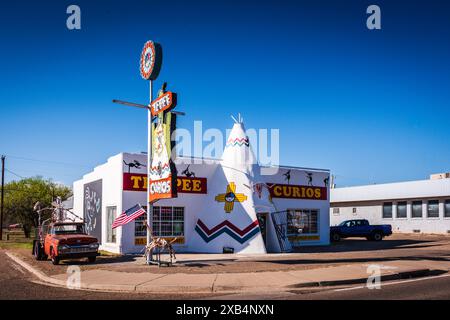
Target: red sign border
{"x": 173, "y": 99}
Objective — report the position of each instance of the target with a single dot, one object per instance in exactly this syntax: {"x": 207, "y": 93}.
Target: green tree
{"x": 20, "y": 197}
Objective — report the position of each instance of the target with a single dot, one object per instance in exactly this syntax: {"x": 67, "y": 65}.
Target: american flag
{"x": 128, "y": 215}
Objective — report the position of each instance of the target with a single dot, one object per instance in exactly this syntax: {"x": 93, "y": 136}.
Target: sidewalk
{"x": 107, "y": 280}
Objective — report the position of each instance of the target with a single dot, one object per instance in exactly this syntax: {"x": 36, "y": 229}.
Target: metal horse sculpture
{"x": 160, "y": 244}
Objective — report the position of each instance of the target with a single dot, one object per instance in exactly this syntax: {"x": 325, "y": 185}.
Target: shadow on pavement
{"x": 357, "y": 260}
{"x": 349, "y": 245}
{"x": 103, "y": 260}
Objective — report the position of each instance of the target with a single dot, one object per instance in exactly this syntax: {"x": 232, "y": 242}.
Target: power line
{"x": 17, "y": 175}
{"x": 49, "y": 161}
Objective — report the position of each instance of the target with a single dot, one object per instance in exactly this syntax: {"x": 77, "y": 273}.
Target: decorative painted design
{"x": 309, "y": 176}
{"x": 240, "y": 235}
{"x": 287, "y": 176}
{"x": 134, "y": 164}
{"x": 237, "y": 142}
{"x": 160, "y": 170}
{"x": 188, "y": 173}
{"x": 150, "y": 60}
{"x": 138, "y": 182}
{"x": 92, "y": 210}
{"x": 162, "y": 174}
{"x": 230, "y": 197}
{"x": 289, "y": 191}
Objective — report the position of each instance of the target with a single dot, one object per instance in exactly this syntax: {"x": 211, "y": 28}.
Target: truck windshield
{"x": 70, "y": 229}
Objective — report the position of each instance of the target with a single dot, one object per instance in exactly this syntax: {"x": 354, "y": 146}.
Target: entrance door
{"x": 262, "y": 220}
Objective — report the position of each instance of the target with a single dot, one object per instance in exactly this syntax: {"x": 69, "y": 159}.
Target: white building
{"x": 120, "y": 183}
{"x": 415, "y": 206}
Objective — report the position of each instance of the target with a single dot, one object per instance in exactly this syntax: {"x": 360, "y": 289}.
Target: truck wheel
{"x": 377, "y": 236}
{"x": 92, "y": 259}
{"x": 335, "y": 237}
{"x": 55, "y": 259}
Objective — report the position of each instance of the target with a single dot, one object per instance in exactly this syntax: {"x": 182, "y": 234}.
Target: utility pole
{"x": 2, "y": 196}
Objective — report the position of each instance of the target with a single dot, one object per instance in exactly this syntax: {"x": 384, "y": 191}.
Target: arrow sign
{"x": 165, "y": 102}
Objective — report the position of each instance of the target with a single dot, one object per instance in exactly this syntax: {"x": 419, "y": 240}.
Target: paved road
{"x": 428, "y": 288}
{"x": 17, "y": 283}
{"x": 416, "y": 289}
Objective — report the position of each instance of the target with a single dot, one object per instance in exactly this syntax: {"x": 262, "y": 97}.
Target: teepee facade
{"x": 229, "y": 218}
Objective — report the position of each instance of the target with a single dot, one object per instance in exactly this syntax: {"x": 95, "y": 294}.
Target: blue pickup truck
{"x": 359, "y": 228}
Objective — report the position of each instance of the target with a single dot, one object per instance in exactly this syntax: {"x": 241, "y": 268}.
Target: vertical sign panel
{"x": 92, "y": 208}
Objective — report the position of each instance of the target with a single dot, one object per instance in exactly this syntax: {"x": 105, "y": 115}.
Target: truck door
{"x": 359, "y": 228}
{"x": 347, "y": 228}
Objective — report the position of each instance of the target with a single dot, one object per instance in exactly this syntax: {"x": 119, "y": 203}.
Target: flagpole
{"x": 149, "y": 166}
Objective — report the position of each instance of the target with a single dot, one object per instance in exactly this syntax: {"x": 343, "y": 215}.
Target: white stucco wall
{"x": 111, "y": 174}
{"x": 368, "y": 201}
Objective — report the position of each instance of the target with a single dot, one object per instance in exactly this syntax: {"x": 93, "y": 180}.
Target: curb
{"x": 40, "y": 275}
{"x": 47, "y": 280}
{"x": 413, "y": 273}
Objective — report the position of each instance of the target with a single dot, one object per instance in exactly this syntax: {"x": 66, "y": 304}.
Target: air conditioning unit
{"x": 437, "y": 176}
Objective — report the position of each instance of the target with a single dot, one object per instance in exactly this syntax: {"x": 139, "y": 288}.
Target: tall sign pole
{"x": 149, "y": 166}
{"x": 149, "y": 66}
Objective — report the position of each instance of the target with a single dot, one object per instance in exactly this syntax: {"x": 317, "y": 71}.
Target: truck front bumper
{"x": 77, "y": 255}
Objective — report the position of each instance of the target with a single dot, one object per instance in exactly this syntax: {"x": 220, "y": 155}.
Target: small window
{"x": 433, "y": 209}
{"x": 416, "y": 209}
{"x": 140, "y": 229}
{"x": 387, "y": 210}
{"x": 447, "y": 209}
{"x": 111, "y": 213}
{"x": 336, "y": 211}
{"x": 354, "y": 211}
{"x": 401, "y": 209}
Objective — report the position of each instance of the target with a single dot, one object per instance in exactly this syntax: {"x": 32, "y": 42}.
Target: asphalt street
{"x": 16, "y": 283}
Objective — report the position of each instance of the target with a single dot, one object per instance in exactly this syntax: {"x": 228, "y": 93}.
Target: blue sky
{"x": 372, "y": 106}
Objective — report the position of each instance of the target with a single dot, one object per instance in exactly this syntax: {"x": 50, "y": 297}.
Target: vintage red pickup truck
{"x": 65, "y": 240}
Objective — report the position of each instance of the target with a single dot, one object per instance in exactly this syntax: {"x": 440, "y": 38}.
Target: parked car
{"x": 15, "y": 226}
{"x": 65, "y": 240}
{"x": 360, "y": 228}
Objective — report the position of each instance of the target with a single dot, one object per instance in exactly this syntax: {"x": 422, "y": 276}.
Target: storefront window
{"x": 110, "y": 232}
{"x": 303, "y": 221}
{"x": 168, "y": 221}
